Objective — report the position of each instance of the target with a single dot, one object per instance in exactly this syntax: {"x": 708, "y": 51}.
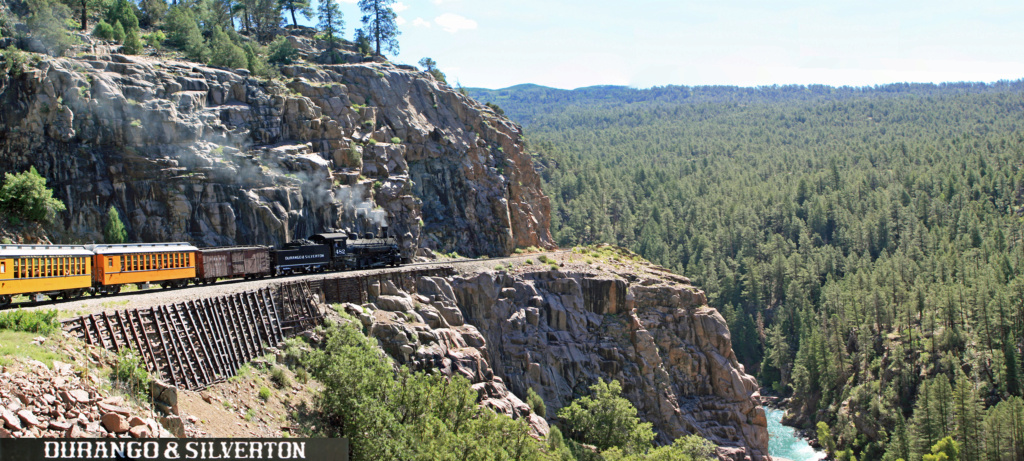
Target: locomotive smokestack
{"x": 383, "y": 232}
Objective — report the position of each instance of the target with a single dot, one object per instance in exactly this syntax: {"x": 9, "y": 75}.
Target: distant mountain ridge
{"x": 524, "y": 103}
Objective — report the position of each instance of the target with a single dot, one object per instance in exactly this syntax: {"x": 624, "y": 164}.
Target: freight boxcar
{"x": 232, "y": 262}
{"x": 57, "y": 271}
{"x": 300, "y": 256}
{"x": 171, "y": 264}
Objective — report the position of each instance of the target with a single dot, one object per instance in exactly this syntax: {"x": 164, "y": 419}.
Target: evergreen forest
{"x": 864, "y": 244}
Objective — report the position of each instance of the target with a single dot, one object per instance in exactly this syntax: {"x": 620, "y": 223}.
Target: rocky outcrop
{"x": 217, "y": 157}
{"x": 37, "y": 401}
{"x": 559, "y": 332}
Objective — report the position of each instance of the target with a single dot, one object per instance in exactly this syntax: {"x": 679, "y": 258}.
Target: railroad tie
{"x": 250, "y": 325}
{"x": 113, "y": 333}
{"x": 184, "y": 364}
{"x": 195, "y": 314}
{"x": 145, "y": 337}
{"x": 240, "y": 330}
{"x": 210, "y": 332}
{"x": 167, "y": 348}
{"x": 261, "y": 320}
{"x": 99, "y": 334}
{"x": 268, "y": 302}
{"x": 85, "y": 330}
{"x": 224, "y": 336}
{"x": 191, "y": 334}
{"x": 192, "y": 356}
{"x": 251, "y": 318}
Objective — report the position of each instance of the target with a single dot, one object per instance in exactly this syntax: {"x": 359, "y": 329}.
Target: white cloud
{"x": 453, "y": 23}
{"x": 399, "y": 7}
{"x": 420, "y": 22}
{"x": 348, "y": 1}
{"x": 399, "y": 20}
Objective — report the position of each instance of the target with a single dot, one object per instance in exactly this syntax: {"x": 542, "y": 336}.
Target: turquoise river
{"x": 783, "y": 442}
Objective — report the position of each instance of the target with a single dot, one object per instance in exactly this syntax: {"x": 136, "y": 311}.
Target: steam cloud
{"x": 362, "y": 209}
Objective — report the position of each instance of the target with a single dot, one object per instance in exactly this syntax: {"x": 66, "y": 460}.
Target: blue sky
{"x": 643, "y": 43}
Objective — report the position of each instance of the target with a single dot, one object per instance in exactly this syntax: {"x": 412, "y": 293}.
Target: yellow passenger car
{"x": 171, "y": 264}
{"x": 53, "y": 270}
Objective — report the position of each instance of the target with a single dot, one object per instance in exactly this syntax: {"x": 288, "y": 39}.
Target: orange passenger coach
{"x": 171, "y": 264}
{"x": 54, "y": 270}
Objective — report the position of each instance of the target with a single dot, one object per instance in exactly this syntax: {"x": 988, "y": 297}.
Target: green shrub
{"x": 257, "y": 61}
{"x": 280, "y": 378}
{"x": 25, "y": 195}
{"x": 224, "y": 52}
{"x": 123, "y": 11}
{"x": 536, "y": 403}
{"x": 118, "y": 32}
{"x": 14, "y": 61}
{"x": 389, "y": 414}
{"x": 495, "y": 108}
{"x": 281, "y": 51}
{"x": 47, "y": 21}
{"x": 103, "y": 30}
{"x": 130, "y": 371}
{"x": 605, "y": 419}
{"x": 43, "y": 322}
{"x": 264, "y": 393}
{"x": 183, "y": 33}
{"x": 132, "y": 43}
{"x": 396, "y": 140}
{"x": 155, "y": 40}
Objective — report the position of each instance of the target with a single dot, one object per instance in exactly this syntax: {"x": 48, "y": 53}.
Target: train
{"x": 72, "y": 271}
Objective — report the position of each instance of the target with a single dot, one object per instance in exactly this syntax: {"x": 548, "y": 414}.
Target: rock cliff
{"x": 218, "y": 157}
{"x": 559, "y": 331}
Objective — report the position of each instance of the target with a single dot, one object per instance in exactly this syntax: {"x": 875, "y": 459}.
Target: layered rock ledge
{"x": 559, "y": 331}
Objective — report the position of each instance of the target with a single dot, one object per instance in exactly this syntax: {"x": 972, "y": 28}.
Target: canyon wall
{"x": 214, "y": 156}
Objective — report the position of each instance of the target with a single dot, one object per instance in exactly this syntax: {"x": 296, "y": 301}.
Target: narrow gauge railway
{"x": 72, "y": 271}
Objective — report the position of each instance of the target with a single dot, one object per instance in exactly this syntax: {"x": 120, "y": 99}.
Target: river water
{"x": 783, "y": 441}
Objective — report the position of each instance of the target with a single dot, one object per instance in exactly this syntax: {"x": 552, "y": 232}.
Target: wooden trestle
{"x": 197, "y": 343}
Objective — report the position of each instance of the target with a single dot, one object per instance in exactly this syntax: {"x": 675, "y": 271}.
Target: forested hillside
{"x": 864, "y": 244}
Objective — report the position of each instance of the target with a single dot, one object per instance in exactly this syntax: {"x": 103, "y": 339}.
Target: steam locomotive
{"x": 71, "y": 271}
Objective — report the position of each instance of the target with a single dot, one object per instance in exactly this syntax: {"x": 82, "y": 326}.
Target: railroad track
{"x": 167, "y": 295}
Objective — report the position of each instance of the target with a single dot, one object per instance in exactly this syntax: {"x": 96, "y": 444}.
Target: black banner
{"x": 173, "y": 449}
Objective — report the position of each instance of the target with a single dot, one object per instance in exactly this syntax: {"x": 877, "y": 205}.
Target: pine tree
{"x": 332, "y": 25}
{"x": 968, "y": 411}
{"x": 1011, "y": 365}
{"x": 899, "y": 442}
{"x": 114, "y": 230}
{"x": 924, "y": 432}
{"x": 379, "y": 24}
{"x": 302, "y": 6}
{"x": 122, "y": 11}
{"x": 224, "y": 52}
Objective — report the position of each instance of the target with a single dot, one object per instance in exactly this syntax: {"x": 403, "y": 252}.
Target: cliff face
{"x": 216, "y": 157}
{"x": 559, "y": 332}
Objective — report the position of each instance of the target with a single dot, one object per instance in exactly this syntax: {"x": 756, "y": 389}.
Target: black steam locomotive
{"x": 336, "y": 251}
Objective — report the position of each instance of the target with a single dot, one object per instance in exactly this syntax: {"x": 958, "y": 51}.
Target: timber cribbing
{"x": 355, "y": 288}
{"x": 197, "y": 343}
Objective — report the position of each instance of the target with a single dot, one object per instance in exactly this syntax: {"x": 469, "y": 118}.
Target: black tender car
{"x": 300, "y": 256}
